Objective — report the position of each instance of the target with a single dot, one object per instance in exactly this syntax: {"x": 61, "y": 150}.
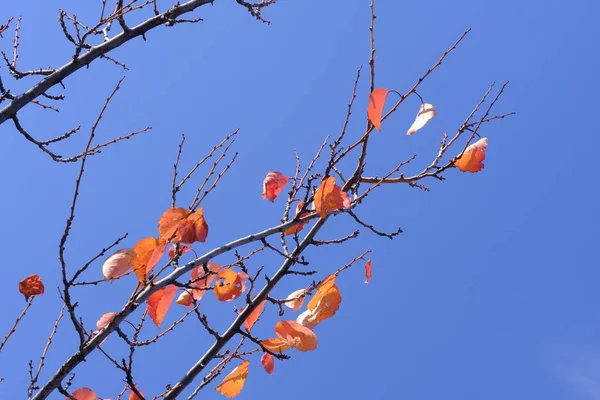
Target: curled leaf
{"x": 330, "y": 197}
{"x": 268, "y": 363}
{"x": 31, "y": 286}
{"x": 159, "y": 302}
{"x": 295, "y": 299}
{"x": 368, "y": 271}
{"x": 273, "y": 184}
{"x": 375, "y": 108}
{"x": 327, "y": 305}
{"x": 229, "y": 285}
{"x": 148, "y": 252}
{"x": 472, "y": 158}
{"x": 185, "y": 299}
{"x": 105, "y": 319}
{"x": 118, "y": 264}
{"x": 276, "y": 345}
{"x": 297, "y": 335}
{"x": 233, "y": 383}
{"x": 426, "y": 112}
{"x": 84, "y": 393}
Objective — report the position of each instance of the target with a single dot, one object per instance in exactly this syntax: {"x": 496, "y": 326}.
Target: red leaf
{"x": 267, "y": 362}
{"x": 368, "y": 271}
{"x": 201, "y": 281}
{"x": 273, "y": 184}
{"x": 254, "y": 315}
{"x": 182, "y": 250}
{"x": 84, "y": 394}
{"x": 133, "y": 396}
{"x": 376, "y": 103}
{"x": 179, "y": 225}
{"x": 159, "y": 302}
{"x": 31, "y": 286}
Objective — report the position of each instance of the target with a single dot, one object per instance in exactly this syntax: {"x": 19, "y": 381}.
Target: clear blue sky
{"x": 491, "y": 292}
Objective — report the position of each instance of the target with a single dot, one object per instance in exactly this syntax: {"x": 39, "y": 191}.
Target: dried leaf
{"x": 268, "y": 363}
{"x": 180, "y": 225}
{"x": 472, "y": 158}
{"x": 296, "y": 299}
{"x": 297, "y": 335}
{"x": 84, "y": 394}
{"x": 182, "y": 250}
{"x": 273, "y": 184}
{"x": 368, "y": 271}
{"x": 329, "y": 197}
{"x": 118, "y": 264}
{"x": 426, "y": 112}
{"x": 31, "y": 286}
{"x": 159, "y": 302}
{"x": 148, "y": 252}
{"x": 185, "y": 299}
{"x": 229, "y": 285}
{"x": 105, "y": 319}
{"x": 376, "y": 103}
{"x": 276, "y": 345}
{"x": 254, "y": 315}
{"x": 298, "y": 227}
{"x": 201, "y": 281}
{"x": 233, "y": 383}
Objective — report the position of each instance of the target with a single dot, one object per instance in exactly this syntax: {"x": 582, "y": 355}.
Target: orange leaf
{"x": 322, "y": 289}
{"x": 267, "y": 362}
{"x": 376, "y": 103}
{"x": 84, "y": 394}
{"x": 182, "y": 250}
{"x": 229, "y": 285}
{"x": 297, "y": 335}
{"x": 276, "y": 345}
{"x": 273, "y": 184}
{"x": 329, "y": 197}
{"x": 201, "y": 281}
{"x": 426, "y": 112}
{"x": 31, "y": 286}
{"x": 298, "y": 227}
{"x": 148, "y": 252}
{"x": 159, "y": 302}
{"x": 368, "y": 271}
{"x": 471, "y": 160}
{"x": 326, "y": 308}
{"x": 133, "y": 396}
{"x": 254, "y": 315}
{"x": 105, "y": 319}
{"x": 295, "y": 299}
{"x": 118, "y": 264}
{"x": 233, "y": 383}
{"x": 179, "y": 225}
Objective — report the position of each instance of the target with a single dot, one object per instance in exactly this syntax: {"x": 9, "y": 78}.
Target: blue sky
{"x": 490, "y": 292}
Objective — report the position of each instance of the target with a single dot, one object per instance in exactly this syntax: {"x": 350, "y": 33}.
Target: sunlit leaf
{"x": 368, "y": 271}
{"x": 330, "y": 197}
{"x": 118, "y": 264}
{"x": 376, "y": 103}
{"x": 148, "y": 252}
{"x": 159, "y": 302}
{"x": 276, "y": 345}
{"x": 294, "y": 333}
{"x": 296, "y": 299}
{"x": 326, "y": 307}
{"x": 322, "y": 289}
{"x": 426, "y": 112}
{"x": 254, "y": 315}
{"x": 180, "y": 225}
{"x": 268, "y": 363}
{"x": 105, "y": 319}
{"x": 84, "y": 394}
{"x": 201, "y": 280}
{"x": 273, "y": 184}
{"x": 31, "y": 286}
{"x": 185, "y": 299}
{"x": 233, "y": 383}
{"x": 229, "y": 285}
{"x": 472, "y": 158}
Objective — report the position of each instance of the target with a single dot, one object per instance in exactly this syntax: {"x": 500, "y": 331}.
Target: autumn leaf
{"x": 185, "y": 299}
{"x": 472, "y": 158}
{"x": 273, "y": 184}
{"x": 295, "y": 299}
{"x": 201, "y": 281}
{"x": 148, "y": 252}
{"x": 84, "y": 394}
{"x": 118, "y": 264}
{"x": 182, "y": 250}
{"x": 180, "y": 225}
{"x": 297, "y": 227}
{"x": 268, "y": 363}
{"x": 229, "y": 285}
{"x": 31, "y": 286}
{"x": 325, "y": 308}
{"x": 375, "y": 108}
{"x": 159, "y": 302}
{"x": 276, "y": 345}
{"x": 368, "y": 271}
{"x": 254, "y": 315}
{"x": 330, "y": 197}
{"x": 322, "y": 289}
{"x": 426, "y": 112}
{"x": 233, "y": 383}
{"x": 297, "y": 335}
{"x": 105, "y": 319}
{"x": 133, "y": 396}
